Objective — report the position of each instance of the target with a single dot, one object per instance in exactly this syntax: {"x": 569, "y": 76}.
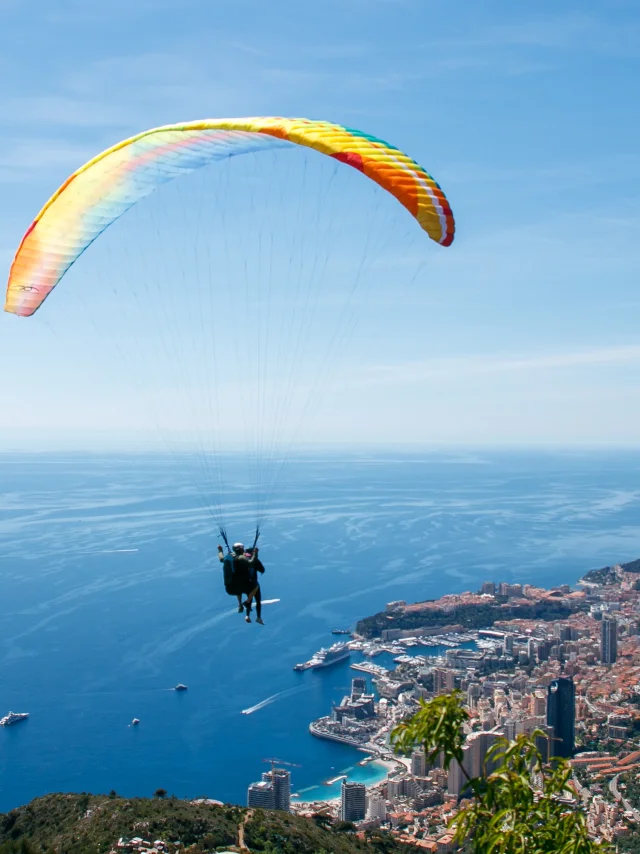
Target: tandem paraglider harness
{"x": 229, "y": 565}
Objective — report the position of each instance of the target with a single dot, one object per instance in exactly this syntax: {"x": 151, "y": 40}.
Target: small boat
{"x": 180, "y": 687}
{"x": 13, "y": 718}
{"x": 135, "y": 722}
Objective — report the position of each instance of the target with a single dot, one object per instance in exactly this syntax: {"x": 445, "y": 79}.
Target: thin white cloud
{"x": 569, "y": 31}
{"x": 62, "y": 110}
{"x": 30, "y": 155}
{"x": 471, "y": 365}
{"x": 297, "y": 52}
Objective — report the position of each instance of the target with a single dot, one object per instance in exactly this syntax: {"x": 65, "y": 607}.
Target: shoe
{"x": 259, "y": 621}
{"x": 247, "y": 619}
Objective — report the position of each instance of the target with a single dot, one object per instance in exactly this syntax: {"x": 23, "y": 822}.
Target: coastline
{"x": 380, "y": 764}
{"x": 520, "y": 596}
{"x": 372, "y": 774}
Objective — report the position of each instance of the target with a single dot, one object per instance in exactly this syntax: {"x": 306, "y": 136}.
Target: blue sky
{"x": 523, "y": 332}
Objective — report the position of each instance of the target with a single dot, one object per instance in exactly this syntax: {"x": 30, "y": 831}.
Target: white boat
{"x": 13, "y": 718}
{"x": 135, "y": 722}
{"x": 326, "y": 657}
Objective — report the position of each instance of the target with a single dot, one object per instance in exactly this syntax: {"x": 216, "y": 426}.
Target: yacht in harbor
{"x": 13, "y": 718}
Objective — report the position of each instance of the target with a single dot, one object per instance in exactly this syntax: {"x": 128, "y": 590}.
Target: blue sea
{"x": 110, "y": 594}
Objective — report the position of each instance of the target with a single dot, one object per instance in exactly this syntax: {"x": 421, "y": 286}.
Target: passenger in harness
{"x": 253, "y": 589}
{"x": 237, "y": 571}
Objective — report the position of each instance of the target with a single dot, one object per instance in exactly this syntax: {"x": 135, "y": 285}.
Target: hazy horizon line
{"x": 327, "y": 447}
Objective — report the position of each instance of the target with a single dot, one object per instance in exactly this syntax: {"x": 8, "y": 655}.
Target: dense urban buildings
{"x": 562, "y": 663}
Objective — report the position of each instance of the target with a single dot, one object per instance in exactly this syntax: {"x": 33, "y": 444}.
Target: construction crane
{"x": 275, "y": 762}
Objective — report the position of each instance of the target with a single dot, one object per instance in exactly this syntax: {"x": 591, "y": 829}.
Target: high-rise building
{"x": 474, "y": 761}
{"x": 539, "y": 703}
{"x": 608, "y": 640}
{"x": 273, "y": 792}
{"x": 358, "y": 686}
{"x": 544, "y": 743}
{"x": 418, "y": 763}
{"x": 281, "y": 782}
{"x": 509, "y": 727}
{"x": 260, "y": 795}
{"x": 402, "y": 786}
{"x": 543, "y": 650}
{"x": 353, "y": 801}
{"x": 489, "y": 588}
{"x": 474, "y": 692}
{"x": 509, "y": 590}
{"x": 563, "y": 633}
{"x": 444, "y": 680}
{"x": 561, "y": 715}
{"x": 376, "y": 807}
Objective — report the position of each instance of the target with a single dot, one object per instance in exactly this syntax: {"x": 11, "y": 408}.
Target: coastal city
{"x": 562, "y": 661}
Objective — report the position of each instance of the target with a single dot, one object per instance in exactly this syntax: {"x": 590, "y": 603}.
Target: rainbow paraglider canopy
{"x": 111, "y": 183}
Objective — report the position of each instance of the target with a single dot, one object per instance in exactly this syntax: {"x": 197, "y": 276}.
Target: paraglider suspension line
{"x": 223, "y": 534}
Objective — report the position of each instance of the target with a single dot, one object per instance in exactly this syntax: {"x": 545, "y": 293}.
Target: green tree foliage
{"x": 160, "y": 793}
{"x": 22, "y": 846}
{"x": 436, "y": 727}
{"x": 269, "y": 831}
{"x": 520, "y": 807}
{"x": 344, "y": 827}
{"x": 630, "y": 844}
{"x": 381, "y": 842}
{"x": 322, "y": 819}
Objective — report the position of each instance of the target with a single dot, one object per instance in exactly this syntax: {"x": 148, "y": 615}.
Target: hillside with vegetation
{"x": 88, "y": 824}
{"x": 608, "y": 574}
{"x": 469, "y": 616}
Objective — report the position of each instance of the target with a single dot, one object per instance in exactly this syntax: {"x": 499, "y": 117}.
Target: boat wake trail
{"x": 287, "y": 693}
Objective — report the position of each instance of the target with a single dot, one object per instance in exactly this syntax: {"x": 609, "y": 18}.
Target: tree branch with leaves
{"x": 524, "y": 806}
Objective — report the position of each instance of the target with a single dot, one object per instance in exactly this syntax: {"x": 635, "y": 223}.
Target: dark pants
{"x": 257, "y": 596}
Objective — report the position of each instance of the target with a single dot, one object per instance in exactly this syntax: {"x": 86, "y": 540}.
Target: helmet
{"x": 238, "y": 548}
